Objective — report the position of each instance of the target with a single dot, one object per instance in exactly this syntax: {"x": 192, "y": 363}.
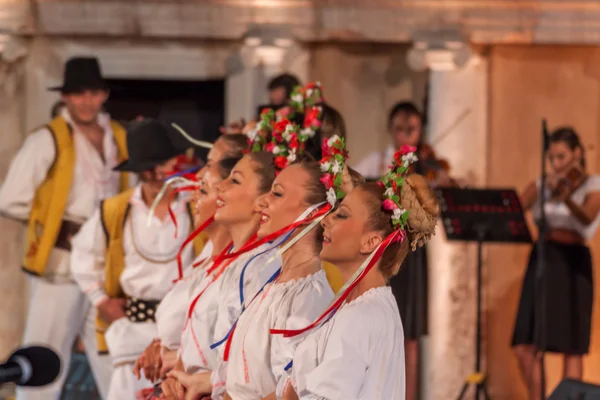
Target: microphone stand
{"x": 540, "y": 312}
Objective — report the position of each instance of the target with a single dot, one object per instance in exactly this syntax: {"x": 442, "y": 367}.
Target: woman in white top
{"x": 251, "y": 177}
{"x": 358, "y": 353}
{"x": 572, "y": 218}
{"x": 160, "y": 356}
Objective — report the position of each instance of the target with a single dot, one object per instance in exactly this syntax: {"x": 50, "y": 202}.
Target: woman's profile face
{"x": 562, "y": 157}
{"x": 285, "y": 202}
{"x": 206, "y": 198}
{"x": 345, "y": 229}
{"x": 236, "y": 194}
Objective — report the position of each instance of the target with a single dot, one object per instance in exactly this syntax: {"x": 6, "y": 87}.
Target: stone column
{"x": 458, "y": 132}
{"x": 12, "y": 280}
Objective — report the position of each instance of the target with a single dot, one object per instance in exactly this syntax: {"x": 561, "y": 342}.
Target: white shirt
{"x": 93, "y": 180}
{"x": 222, "y": 296}
{"x": 358, "y": 354}
{"x": 171, "y": 312}
{"x": 558, "y": 214}
{"x": 141, "y": 278}
{"x": 374, "y": 165}
{"x": 257, "y": 359}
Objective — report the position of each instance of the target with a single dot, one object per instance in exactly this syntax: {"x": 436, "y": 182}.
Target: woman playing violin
{"x": 572, "y": 218}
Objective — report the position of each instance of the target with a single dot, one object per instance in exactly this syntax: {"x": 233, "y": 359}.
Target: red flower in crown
{"x": 269, "y": 147}
{"x": 311, "y": 119}
{"x": 327, "y": 181}
{"x": 280, "y": 126}
{"x": 281, "y": 162}
{"x": 325, "y": 149}
{"x": 293, "y": 142}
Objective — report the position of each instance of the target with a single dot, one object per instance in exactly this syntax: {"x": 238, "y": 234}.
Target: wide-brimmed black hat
{"x": 82, "y": 73}
{"x": 149, "y": 143}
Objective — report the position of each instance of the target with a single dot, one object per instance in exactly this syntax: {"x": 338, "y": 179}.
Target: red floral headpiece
{"x": 332, "y": 165}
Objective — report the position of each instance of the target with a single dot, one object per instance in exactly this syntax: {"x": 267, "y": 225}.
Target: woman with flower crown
{"x": 367, "y": 237}
{"x": 196, "y": 355}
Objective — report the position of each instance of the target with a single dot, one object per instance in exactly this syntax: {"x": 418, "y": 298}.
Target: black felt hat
{"x": 82, "y": 73}
{"x": 149, "y": 143}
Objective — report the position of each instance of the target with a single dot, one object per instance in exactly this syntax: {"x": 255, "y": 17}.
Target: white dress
{"x": 199, "y": 330}
{"x": 170, "y": 314}
{"x": 257, "y": 359}
{"x": 358, "y": 354}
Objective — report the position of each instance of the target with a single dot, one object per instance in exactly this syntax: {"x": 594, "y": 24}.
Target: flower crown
{"x": 308, "y": 100}
{"x": 393, "y": 181}
{"x": 287, "y": 143}
{"x": 332, "y": 165}
{"x": 258, "y": 136}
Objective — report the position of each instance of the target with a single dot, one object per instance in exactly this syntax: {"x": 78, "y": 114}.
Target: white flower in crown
{"x": 331, "y": 197}
{"x": 332, "y": 140}
{"x": 288, "y": 129}
{"x": 397, "y": 213}
{"x": 309, "y": 92}
{"x": 276, "y": 150}
{"x": 389, "y": 192}
{"x": 252, "y": 133}
{"x": 298, "y": 98}
{"x": 325, "y": 166}
{"x": 292, "y": 157}
{"x": 409, "y": 159}
{"x": 307, "y": 132}
{"x": 336, "y": 167}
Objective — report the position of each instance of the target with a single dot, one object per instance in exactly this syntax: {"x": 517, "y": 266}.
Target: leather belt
{"x": 138, "y": 310}
{"x": 66, "y": 232}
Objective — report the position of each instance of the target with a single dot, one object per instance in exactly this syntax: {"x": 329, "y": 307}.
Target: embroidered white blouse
{"x": 257, "y": 359}
{"x": 358, "y": 354}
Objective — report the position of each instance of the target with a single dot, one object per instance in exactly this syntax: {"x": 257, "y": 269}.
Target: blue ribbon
{"x": 241, "y": 287}
{"x": 188, "y": 171}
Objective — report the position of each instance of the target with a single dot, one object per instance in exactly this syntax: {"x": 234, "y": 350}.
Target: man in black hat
{"x": 54, "y": 183}
{"x": 125, "y": 256}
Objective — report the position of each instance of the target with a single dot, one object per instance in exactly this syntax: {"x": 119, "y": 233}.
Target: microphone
{"x": 31, "y": 366}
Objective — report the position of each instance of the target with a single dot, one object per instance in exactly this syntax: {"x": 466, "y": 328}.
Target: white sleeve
{"x": 301, "y": 314}
{"x": 370, "y": 166}
{"x": 88, "y": 249}
{"x": 341, "y": 371}
{"x": 26, "y": 173}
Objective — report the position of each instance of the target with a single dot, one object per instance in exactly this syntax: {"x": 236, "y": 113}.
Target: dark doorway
{"x": 196, "y": 106}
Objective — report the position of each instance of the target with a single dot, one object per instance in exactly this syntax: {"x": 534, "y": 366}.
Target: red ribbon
{"x": 253, "y": 245}
{"x": 188, "y": 188}
{"x": 187, "y": 241}
{"x": 392, "y": 238}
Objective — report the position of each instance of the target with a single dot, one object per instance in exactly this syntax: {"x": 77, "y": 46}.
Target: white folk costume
{"x": 222, "y": 295}
{"x": 358, "y": 354}
{"x": 55, "y": 156}
{"x": 171, "y": 312}
{"x": 257, "y": 359}
{"x": 150, "y": 267}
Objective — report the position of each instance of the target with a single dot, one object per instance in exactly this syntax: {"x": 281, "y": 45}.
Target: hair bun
{"x": 422, "y": 204}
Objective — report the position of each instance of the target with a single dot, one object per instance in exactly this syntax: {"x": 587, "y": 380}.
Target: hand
{"x": 196, "y": 385}
{"x": 169, "y": 359}
{"x": 289, "y": 393}
{"x": 150, "y": 361}
{"x": 552, "y": 182}
{"x": 111, "y": 310}
{"x": 172, "y": 390}
{"x": 233, "y": 128}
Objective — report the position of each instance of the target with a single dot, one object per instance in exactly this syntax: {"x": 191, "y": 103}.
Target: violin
{"x": 434, "y": 169}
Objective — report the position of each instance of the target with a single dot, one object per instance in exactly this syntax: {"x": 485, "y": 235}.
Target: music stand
{"x": 482, "y": 216}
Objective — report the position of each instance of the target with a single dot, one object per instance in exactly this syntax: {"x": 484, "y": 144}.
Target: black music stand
{"x": 482, "y": 216}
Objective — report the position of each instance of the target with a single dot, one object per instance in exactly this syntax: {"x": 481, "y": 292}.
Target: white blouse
{"x": 558, "y": 214}
{"x": 170, "y": 314}
{"x": 199, "y": 331}
{"x": 257, "y": 358}
{"x": 358, "y": 354}
{"x": 141, "y": 278}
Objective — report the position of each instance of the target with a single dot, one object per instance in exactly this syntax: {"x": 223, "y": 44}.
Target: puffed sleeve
{"x": 26, "y": 173}
{"x": 88, "y": 249}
